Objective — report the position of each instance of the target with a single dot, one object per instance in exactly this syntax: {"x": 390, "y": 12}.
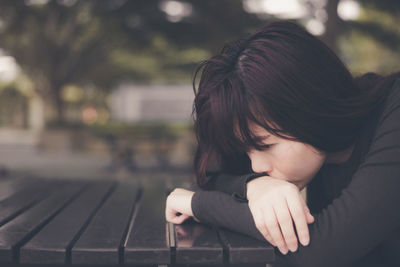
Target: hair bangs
{"x": 259, "y": 115}
{"x": 238, "y": 114}
{"x": 227, "y": 106}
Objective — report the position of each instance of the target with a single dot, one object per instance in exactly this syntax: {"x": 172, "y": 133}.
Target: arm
{"x": 234, "y": 185}
{"x": 220, "y": 180}
{"x": 220, "y": 209}
{"x": 344, "y": 232}
{"x": 354, "y": 224}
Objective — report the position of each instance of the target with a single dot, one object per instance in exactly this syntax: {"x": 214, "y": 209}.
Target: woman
{"x": 276, "y": 111}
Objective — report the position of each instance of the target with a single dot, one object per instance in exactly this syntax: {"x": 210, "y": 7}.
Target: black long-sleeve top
{"x": 355, "y": 204}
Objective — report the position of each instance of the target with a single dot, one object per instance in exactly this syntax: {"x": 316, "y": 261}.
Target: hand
{"x": 275, "y": 204}
{"x": 179, "y": 206}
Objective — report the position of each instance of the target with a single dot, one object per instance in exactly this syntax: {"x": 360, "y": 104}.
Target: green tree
{"x": 102, "y": 42}
{"x": 55, "y": 44}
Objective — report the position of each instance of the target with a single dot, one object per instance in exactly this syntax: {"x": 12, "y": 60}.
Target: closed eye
{"x": 264, "y": 147}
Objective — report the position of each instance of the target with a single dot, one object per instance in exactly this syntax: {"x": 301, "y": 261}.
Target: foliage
{"x": 371, "y": 42}
{"x": 64, "y": 44}
{"x": 59, "y": 43}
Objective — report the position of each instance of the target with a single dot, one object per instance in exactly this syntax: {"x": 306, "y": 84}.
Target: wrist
{"x": 252, "y": 185}
{"x": 251, "y": 178}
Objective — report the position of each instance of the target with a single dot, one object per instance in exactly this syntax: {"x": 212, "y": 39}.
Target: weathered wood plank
{"x": 22, "y": 198}
{"x": 243, "y": 249}
{"x": 197, "y": 244}
{"x": 103, "y": 239}
{"x": 51, "y": 244}
{"x": 19, "y": 230}
{"x": 147, "y": 241}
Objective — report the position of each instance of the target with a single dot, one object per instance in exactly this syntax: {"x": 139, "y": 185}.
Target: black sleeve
{"x": 220, "y": 209}
{"x": 364, "y": 215}
{"x": 233, "y": 185}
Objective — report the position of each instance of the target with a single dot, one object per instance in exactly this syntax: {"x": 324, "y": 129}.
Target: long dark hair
{"x": 285, "y": 80}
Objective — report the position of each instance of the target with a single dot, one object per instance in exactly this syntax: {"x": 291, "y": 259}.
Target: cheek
{"x": 286, "y": 162}
{"x": 311, "y": 161}
{"x": 300, "y": 161}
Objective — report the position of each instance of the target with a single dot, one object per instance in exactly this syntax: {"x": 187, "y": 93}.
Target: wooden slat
{"x": 147, "y": 241}
{"x": 23, "y": 198}
{"x": 106, "y": 225}
{"x": 13, "y": 185}
{"x": 197, "y": 244}
{"x": 238, "y": 249}
{"x": 16, "y": 232}
{"x": 193, "y": 243}
{"x": 50, "y": 245}
{"x": 243, "y": 249}
{"x": 102, "y": 241}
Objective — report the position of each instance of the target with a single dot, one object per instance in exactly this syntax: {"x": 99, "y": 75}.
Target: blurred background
{"x": 103, "y": 88}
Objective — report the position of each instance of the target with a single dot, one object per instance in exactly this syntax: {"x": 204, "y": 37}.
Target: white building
{"x": 152, "y": 103}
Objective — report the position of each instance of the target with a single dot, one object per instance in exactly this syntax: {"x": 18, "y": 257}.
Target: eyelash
{"x": 264, "y": 147}
{"x": 261, "y": 147}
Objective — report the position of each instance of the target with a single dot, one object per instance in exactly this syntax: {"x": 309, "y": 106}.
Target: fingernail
{"x": 284, "y": 250}
{"x": 305, "y": 241}
{"x": 293, "y": 248}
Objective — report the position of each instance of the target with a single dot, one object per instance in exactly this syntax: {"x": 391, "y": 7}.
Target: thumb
{"x": 309, "y": 216}
{"x": 179, "y": 219}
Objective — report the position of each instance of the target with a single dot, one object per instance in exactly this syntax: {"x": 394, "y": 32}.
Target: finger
{"x": 285, "y": 221}
{"x": 270, "y": 239}
{"x": 298, "y": 215}
{"x": 309, "y": 216}
{"x": 273, "y": 228}
{"x": 172, "y": 215}
{"x": 179, "y": 219}
{"x": 168, "y": 214}
{"x": 260, "y": 224}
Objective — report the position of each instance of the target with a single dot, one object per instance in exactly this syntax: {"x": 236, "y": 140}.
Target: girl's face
{"x": 284, "y": 159}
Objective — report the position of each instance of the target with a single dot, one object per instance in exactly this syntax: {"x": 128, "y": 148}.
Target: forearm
{"x": 231, "y": 184}
{"x": 338, "y": 236}
{"x": 220, "y": 209}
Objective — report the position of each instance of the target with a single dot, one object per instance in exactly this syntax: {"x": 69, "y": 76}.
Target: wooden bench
{"x": 80, "y": 222}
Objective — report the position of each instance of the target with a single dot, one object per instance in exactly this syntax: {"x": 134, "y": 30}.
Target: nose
{"x": 259, "y": 163}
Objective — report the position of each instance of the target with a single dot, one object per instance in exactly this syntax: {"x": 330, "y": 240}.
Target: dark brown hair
{"x": 285, "y": 80}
